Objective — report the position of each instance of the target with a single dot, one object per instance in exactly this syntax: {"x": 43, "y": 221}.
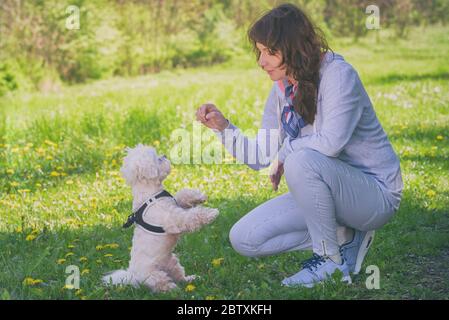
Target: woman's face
{"x": 271, "y": 63}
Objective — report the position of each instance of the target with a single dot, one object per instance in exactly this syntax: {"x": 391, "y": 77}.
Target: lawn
{"x": 63, "y": 201}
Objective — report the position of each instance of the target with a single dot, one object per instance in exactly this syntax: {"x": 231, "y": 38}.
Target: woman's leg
{"x": 331, "y": 193}
{"x": 273, "y": 227}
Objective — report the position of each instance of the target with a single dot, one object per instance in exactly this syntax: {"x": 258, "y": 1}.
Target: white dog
{"x": 160, "y": 220}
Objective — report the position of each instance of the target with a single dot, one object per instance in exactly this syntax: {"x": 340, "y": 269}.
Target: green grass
{"x": 60, "y": 188}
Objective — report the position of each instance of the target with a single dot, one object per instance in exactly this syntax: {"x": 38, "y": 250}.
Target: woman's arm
{"x": 341, "y": 110}
{"x": 257, "y": 152}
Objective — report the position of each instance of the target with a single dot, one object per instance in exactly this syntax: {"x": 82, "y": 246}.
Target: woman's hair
{"x": 287, "y": 29}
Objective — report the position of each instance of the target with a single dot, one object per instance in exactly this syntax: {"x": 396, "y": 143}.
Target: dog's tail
{"x": 118, "y": 277}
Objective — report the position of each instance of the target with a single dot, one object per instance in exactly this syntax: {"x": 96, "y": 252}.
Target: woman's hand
{"x": 209, "y": 115}
{"x": 276, "y": 174}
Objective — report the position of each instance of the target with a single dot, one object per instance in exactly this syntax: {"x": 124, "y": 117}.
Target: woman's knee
{"x": 238, "y": 236}
{"x": 300, "y": 163}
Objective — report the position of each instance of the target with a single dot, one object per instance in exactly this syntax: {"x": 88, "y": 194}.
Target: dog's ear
{"x": 146, "y": 170}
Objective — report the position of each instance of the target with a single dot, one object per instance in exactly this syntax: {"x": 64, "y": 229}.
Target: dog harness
{"x": 137, "y": 216}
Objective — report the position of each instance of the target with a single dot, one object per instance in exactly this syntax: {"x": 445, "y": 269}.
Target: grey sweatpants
{"x": 325, "y": 193}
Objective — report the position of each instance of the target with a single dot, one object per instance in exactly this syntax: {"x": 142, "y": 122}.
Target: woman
{"x": 342, "y": 173}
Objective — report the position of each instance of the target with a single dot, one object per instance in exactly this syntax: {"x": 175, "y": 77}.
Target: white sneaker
{"x": 316, "y": 270}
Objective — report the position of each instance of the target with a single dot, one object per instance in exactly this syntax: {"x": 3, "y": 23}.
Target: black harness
{"x": 137, "y": 216}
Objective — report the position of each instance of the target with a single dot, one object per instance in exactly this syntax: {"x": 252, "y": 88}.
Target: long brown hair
{"x": 287, "y": 29}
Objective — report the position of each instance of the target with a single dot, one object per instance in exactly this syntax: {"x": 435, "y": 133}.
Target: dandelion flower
{"x": 99, "y": 247}
{"x": 440, "y": 137}
{"x": 83, "y": 259}
{"x": 217, "y": 262}
{"x": 69, "y": 254}
{"x": 70, "y": 246}
{"x": 431, "y": 193}
{"x": 31, "y": 282}
{"x": 68, "y": 287}
{"x": 30, "y": 237}
{"x": 10, "y": 171}
{"x": 55, "y": 174}
{"x": 69, "y": 182}
{"x": 85, "y": 271}
{"x": 190, "y": 287}
{"x": 61, "y": 261}
{"x": 108, "y": 255}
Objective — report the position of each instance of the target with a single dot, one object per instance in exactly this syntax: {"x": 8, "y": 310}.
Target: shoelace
{"x": 313, "y": 262}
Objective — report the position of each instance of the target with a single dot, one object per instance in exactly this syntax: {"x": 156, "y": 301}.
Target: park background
{"x": 72, "y": 98}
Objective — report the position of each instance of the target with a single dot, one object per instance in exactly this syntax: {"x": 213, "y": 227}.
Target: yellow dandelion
{"x": 19, "y": 230}
{"x": 156, "y": 143}
{"x": 431, "y": 193}
{"x": 61, "y": 261}
{"x": 112, "y": 245}
{"x": 83, "y": 259}
{"x": 68, "y": 287}
{"x": 190, "y": 287}
{"x": 31, "y": 282}
{"x": 440, "y": 137}
{"x": 108, "y": 255}
{"x": 55, "y": 174}
{"x": 69, "y": 254}
{"x": 217, "y": 262}
{"x": 69, "y": 182}
{"x": 114, "y": 173}
{"x": 50, "y": 143}
{"x": 30, "y": 237}
{"x": 49, "y": 158}
{"x": 78, "y": 292}
{"x": 99, "y": 247}
{"x": 14, "y": 184}
{"x": 85, "y": 271}
{"x": 70, "y": 246}
{"x": 10, "y": 171}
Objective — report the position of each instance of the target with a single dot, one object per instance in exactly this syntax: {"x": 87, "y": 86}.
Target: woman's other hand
{"x": 209, "y": 115}
{"x": 276, "y": 174}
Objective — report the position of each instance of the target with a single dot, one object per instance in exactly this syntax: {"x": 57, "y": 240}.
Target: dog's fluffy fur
{"x": 152, "y": 260}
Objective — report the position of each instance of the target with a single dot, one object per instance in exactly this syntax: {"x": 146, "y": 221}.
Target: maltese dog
{"x": 160, "y": 219}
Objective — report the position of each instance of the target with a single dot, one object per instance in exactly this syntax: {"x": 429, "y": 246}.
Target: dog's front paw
{"x": 188, "y": 198}
{"x": 208, "y": 215}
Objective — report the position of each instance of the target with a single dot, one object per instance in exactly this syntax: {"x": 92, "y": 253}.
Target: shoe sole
{"x": 363, "y": 250}
{"x": 346, "y": 279}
